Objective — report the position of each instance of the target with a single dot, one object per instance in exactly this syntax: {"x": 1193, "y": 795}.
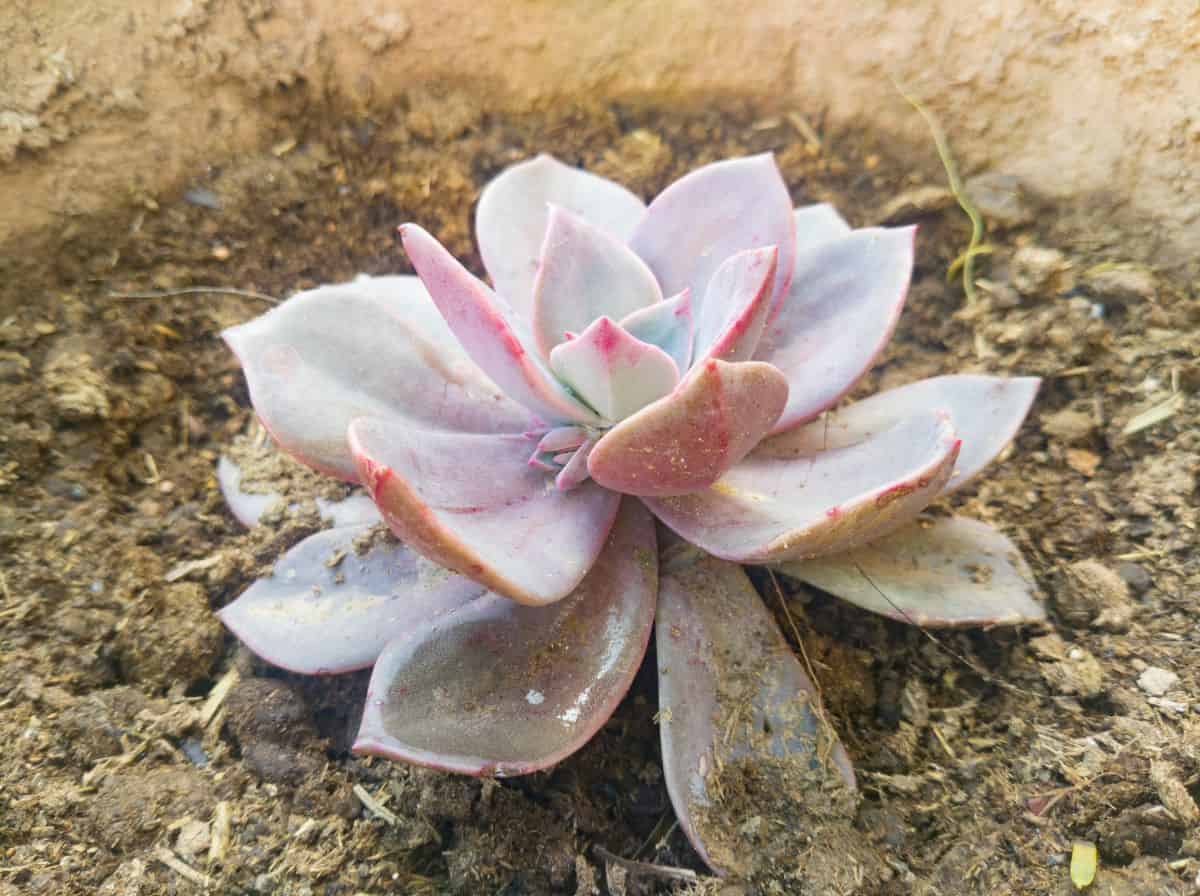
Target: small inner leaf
{"x": 612, "y": 371}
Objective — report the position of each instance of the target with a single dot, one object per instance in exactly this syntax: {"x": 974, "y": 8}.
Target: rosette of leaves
{"x": 681, "y": 362}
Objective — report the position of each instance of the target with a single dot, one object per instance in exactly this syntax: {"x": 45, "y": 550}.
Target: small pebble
{"x": 1037, "y": 270}
{"x": 1124, "y": 285}
{"x": 1156, "y": 681}
{"x": 1135, "y": 577}
{"x": 1000, "y": 198}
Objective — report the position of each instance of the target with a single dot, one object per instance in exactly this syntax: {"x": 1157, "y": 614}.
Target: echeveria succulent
{"x": 678, "y": 362}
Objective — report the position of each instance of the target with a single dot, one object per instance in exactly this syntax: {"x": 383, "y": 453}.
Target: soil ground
{"x": 146, "y": 753}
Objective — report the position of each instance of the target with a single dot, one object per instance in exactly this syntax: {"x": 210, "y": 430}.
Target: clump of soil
{"x": 134, "y": 767}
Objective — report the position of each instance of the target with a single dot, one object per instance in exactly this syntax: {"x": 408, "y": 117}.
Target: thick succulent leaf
{"x": 487, "y": 328}
{"x": 837, "y": 317}
{"x": 585, "y": 274}
{"x": 711, "y": 213}
{"x": 770, "y": 509}
{"x": 474, "y": 504}
{"x": 816, "y": 224}
{"x": 735, "y": 700}
{"x": 612, "y": 371}
{"x": 375, "y": 346}
{"x": 564, "y": 438}
{"x": 685, "y": 441}
{"x": 668, "y": 325}
{"x": 735, "y": 308}
{"x": 986, "y": 412}
{"x": 575, "y": 470}
{"x": 940, "y": 572}
{"x": 500, "y": 689}
{"x": 510, "y": 221}
{"x": 247, "y": 507}
{"x": 338, "y": 597}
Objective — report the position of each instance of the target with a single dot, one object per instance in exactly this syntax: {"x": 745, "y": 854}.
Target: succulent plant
{"x": 679, "y": 361}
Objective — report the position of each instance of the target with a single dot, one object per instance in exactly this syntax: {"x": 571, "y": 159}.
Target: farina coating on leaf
{"x": 628, "y": 360}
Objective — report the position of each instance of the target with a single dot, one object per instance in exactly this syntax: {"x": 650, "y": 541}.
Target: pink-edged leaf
{"x": 734, "y": 700}
{"x": 474, "y": 504}
{"x": 685, "y": 441}
{"x": 770, "y": 509}
{"x": 575, "y": 470}
{"x": 714, "y": 212}
{"x": 489, "y": 331}
{"x": 986, "y": 412}
{"x": 736, "y": 305}
{"x": 510, "y": 221}
{"x": 839, "y": 314}
{"x": 612, "y": 371}
{"x": 247, "y": 507}
{"x": 668, "y": 325}
{"x": 375, "y": 346}
{"x": 816, "y": 224}
{"x": 501, "y": 689}
{"x": 932, "y": 572}
{"x": 338, "y": 597}
{"x": 585, "y": 274}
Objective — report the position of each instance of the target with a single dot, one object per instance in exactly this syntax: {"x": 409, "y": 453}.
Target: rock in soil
{"x": 1092, "y": 594}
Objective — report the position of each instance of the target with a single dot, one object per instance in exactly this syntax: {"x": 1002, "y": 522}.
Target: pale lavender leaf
{"x": 668, "y": 325}
{"x": 986, "y": 412}
{"x": 735, "y": 308}
{"x": 770, "y": 509}
{"x": 734, "y": 700}
{"x": 510, "y": 221}
{"x": 474, "y": 504}
{"x": 839, "y": 314}
{"x": 816, "y": 224}
{"x": 489, "y": 331}
{"x": 932, "y": 572}
{"x": 711, "y": 213}
{"x": 248, "y": 506}
{"x": 501, "y": 689}
{"x": 338, "y": 597}
{"x": 375, "y": 346}
{"x": 687, "y": 440}
{"x": 585, "y": 274}
{"x": 563, "y": 438}
{"x": 612, "y": 371}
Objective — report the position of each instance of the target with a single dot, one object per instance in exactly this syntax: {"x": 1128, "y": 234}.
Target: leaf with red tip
{"x": 510, "y": 221}
{"x": 585, "y": 274}
{"x": 338, "y": 597}
{"x": 986, "y": 412}
{"x": 612, "y": 371}
{"x": 668, "y": 325}
{"x": 375, "y": 346}
{"x": 839, "y": 314}
{"x": 355, "y": 509}
{"x": 735, "y": 701}
{"x": 714, "y": 212}
{"x": 684, "y": 442}
{"x": 489, "y": 331}
{"x": 500, "y": 689}
{"x": 941, "y": 572}
{"x": 768, "y": 509}
{"x": 736, "y": 305}
{"x": 474, "y": 504}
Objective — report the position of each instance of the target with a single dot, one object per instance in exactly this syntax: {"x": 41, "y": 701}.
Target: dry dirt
{"x": 147, "y": 754}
